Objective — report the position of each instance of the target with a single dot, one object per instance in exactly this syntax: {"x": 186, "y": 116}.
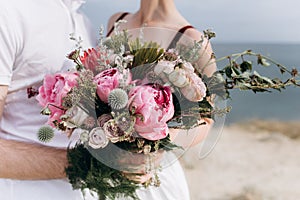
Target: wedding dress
{"x": 173, "y": 182}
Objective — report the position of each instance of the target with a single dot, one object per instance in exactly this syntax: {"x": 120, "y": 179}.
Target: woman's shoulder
{"x": 113, "y": 18}
{"x": 197, "y": 35}
{"x": 194, "y": 33}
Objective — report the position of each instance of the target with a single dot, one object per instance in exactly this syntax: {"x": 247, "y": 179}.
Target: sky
{"x": 262, "y": 21}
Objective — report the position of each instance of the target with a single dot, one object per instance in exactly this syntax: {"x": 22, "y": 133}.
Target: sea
{"x": 247, "y": 105}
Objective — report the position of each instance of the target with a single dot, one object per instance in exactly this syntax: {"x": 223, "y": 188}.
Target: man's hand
{"x": 3, "y": 94}
{"x": 141, "y": 167}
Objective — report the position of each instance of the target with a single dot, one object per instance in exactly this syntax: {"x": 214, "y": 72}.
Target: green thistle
{"x": 118, "y": 99}
{"x": 45, "y": 134}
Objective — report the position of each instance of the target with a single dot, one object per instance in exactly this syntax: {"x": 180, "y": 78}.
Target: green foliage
{"x": 145, "y": 56}
{"x": 135, "y": 146}
{"x": 246, "y": 66}
{"x": 100, "y": 107}
{"x": 146, "y": 53}
{"x": 190, "y": 52}
{"x": 239, "y": 74}
{"x": 117, "y": 42}
{"x": 85, "y": 171}
{"x": 187, "y": 113}
{"x": 216, "y": 85}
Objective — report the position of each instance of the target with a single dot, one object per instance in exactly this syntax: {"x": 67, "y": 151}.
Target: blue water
{"x": 283, "y": 105}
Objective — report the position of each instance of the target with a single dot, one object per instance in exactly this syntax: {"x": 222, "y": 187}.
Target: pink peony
{"x": 54, "y": 89}
{"x": 108, "y": 80}
{"x": 195, "y": 90}
{"x": 153, "y": 105}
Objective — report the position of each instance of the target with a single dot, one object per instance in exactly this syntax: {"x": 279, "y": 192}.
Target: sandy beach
{"x": 251, "y": 161}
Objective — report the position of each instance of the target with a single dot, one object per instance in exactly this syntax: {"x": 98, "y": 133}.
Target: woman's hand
{"x": 192, "y": 137}
{"x": 141, "y": 167}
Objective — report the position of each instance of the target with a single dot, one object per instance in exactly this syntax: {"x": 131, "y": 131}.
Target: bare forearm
{"x": 30, "y": 161}
{"x": 21, "y": 160}
{"x": 3, "y": 93}
{"x": 192, "y": 137}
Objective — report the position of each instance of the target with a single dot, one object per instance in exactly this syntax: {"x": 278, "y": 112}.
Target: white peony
{"x": 178, "y": 77}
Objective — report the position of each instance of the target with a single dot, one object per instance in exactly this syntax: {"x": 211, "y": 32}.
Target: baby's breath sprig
{"x": 78, "y": 40}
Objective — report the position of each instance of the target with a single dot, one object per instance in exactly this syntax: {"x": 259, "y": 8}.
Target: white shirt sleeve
{"x": 8, "y": 46}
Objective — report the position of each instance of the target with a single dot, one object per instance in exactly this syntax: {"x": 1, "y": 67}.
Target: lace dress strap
{"x": 119, "y": 18}
{"x": 178, "y": 36}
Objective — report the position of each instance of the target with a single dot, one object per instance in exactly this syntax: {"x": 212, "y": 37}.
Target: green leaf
{"x": 146, "y": 54}
{"x": 228, "y": 71}
{"x": 265, "y": 79}
{"x": 262, "y": 61}
{"x": 85, "y": 171}
{"x": 246, "y": 66}
{"x": 243, "y": 86}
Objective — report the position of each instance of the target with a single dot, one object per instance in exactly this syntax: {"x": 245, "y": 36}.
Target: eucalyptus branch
{"x": 238, "y": 74}
{"x": 282, "y": 67}
{"x": 236, "y": 56}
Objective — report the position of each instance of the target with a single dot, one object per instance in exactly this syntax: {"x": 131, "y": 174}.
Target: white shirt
{"x": 34, "y": 41}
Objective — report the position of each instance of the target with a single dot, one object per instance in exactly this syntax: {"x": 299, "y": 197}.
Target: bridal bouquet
{"x": 125, "y": 96}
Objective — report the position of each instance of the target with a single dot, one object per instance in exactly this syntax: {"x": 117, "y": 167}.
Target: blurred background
{"x": 257, "y": 155}
{"x": 268, "y": 27}
{"x": 234, "y": 20}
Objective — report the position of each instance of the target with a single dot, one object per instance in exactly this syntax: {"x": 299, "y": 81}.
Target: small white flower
{"x": 76, "y": 116}
{"x": 188, "y": 67}
{"x": 97, "y": 138}
{"x": 178, "y": 77}
{"x": 164, "y": 67}
{"x": 84, "y": 136}
{"x": 118, "y": 60}
{"x": 128, "y": 58}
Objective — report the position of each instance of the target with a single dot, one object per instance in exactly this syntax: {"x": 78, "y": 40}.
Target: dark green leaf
{"x": 246, "y": 66}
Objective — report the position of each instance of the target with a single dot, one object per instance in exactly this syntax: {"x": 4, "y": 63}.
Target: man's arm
{"x": 3, "y": 93}
{"x": 26, "y": 161}
{"x": 21, "y": 160}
